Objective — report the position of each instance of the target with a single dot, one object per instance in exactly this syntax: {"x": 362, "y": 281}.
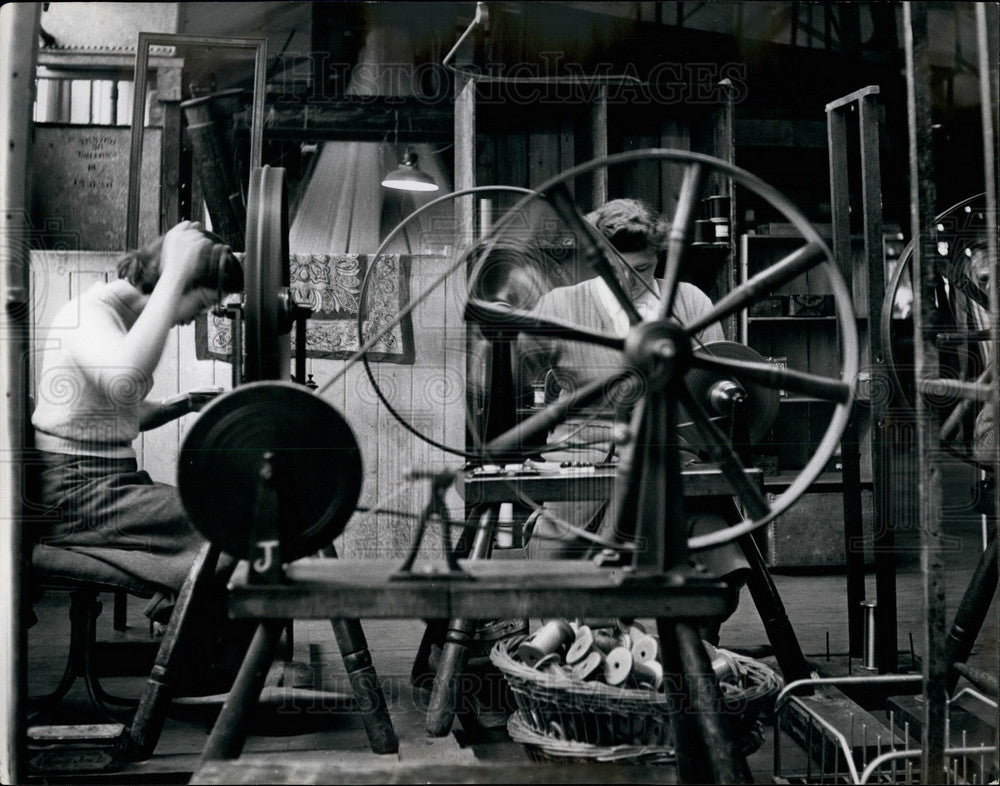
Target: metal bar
{"x": 840, "y": 199}
{"x": 882, "y": 525}
{"x": 926, "y": 366}
{"x": 986, "y": 41}
{"x": 599, "y": 141}
{"x": 19, "y": 23}
{"x": 851, "y": 98}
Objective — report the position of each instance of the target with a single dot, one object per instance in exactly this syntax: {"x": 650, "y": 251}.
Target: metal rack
{"x": 861, "y": 747}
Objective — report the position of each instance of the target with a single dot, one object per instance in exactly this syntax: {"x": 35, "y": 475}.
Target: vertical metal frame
{"x": 936, "y": 662}
{"x": 147, "y": 40}
{"x": 865, "y": 103}
{"x": 989, "y": 67}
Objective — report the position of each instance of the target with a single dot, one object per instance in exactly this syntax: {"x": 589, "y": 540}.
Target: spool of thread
{"x": 552, "y": 659}
{"x": 630, "y": 627}
{"x": 648, "y": 673}
{"x": 581, "y": 645}
{"x": 617, "y": 666}
{"x": 604, "y": 641}
{"x": 720, "y": 230}
{"x": 551, "y": 637}
{"x": 505, "y": 526}
{"x": 724, "y": 665}
{"x": 645, "y": 648}
{"x": 715, "y": 207}
{"x": 589, "y": 667}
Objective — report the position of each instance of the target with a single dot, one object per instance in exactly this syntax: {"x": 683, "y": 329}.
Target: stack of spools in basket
{"x": 597, "y": 692}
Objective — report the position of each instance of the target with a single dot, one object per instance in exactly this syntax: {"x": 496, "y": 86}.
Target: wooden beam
{"x": 19, "y": 23}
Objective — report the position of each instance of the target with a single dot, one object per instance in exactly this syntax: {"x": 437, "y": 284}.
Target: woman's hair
{"x": 223, "y": 271}
{"x": 630, "y": 225}
{"x": 141, "y": 268}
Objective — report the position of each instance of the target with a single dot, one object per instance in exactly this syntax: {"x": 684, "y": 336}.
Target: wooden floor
{"x": 298, "y": 740}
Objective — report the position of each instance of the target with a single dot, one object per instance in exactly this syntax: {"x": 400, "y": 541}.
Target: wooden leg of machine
{"x": 230, "y": 730}
{"x": 706, "y": 748}
{"x": 772, "y": 612}
{"x": 421, "y": 674}
{"x": 972, "y": 611}
{"x": 445, "y": 692}
{"x": 181, "y": 635}
{"x": 364, "y": 683}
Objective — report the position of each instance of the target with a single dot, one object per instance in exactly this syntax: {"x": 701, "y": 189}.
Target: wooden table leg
{"x": 706, "y": 748}
{"x": 445, "y": 692}
{"x": 364, "y": 683}
{"x": 772, "y": 612}
{"x": 972, "y": 611}
{"x": 230, "y": 729}
{"x": 139, "y": 741}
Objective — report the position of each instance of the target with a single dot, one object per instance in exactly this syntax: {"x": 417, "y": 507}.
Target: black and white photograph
{"x": 499, "y": 392}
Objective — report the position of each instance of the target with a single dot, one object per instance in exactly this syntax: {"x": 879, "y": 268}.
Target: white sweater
{"x": 72, "y": 414}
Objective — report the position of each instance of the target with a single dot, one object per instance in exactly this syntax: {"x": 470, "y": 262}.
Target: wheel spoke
{"x": 721, "y": 453}
{"x": 594, "y": 253}
{"x": 760, "y": 285}
{"x": 530, "y": 434}
{"x": 491, "y": 315}
{"x": 954, "y": 388}
{"x": 950, "y": 426}
{"x": 780, "y": 378}
{"x": 680, "y": 232}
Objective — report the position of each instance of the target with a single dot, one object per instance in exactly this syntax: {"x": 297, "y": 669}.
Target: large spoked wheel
{"x": 654, "y": 357}
{"x": 961, "y": 329}
{"x": 447, "y": 365}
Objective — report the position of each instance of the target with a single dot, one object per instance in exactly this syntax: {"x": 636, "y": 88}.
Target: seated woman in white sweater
{"x": 91, "y": 404}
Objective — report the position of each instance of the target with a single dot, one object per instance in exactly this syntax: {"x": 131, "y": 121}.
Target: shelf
{"x": 825, "y": 482}
{"x": 791, "y": 319}
{"x": 857, "y": 318}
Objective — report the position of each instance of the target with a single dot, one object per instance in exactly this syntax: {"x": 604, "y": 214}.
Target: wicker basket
{"x": 567, "y": 717}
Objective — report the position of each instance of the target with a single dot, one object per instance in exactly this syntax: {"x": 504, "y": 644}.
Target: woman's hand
{"x": 185, "y": 255}
{"x": 197, "y": 399}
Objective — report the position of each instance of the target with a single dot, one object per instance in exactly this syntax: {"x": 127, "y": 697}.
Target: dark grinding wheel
{"x": 316, "y": 460}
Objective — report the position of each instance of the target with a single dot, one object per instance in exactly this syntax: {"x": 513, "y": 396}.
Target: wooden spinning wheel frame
{"x": 661, "y": 351}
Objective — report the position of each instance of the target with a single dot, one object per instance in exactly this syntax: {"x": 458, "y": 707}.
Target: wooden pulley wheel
{"x": 267, "y": 307}
{"x": 716, "y": 389}
{"x": 313, "y": 452}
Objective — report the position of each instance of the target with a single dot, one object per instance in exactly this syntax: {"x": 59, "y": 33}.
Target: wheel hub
{"x": 659, "y": 350}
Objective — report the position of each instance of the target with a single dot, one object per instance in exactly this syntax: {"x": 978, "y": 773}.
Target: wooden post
{"x": 19, "y": 23}
{"x": 925, "y": 355}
